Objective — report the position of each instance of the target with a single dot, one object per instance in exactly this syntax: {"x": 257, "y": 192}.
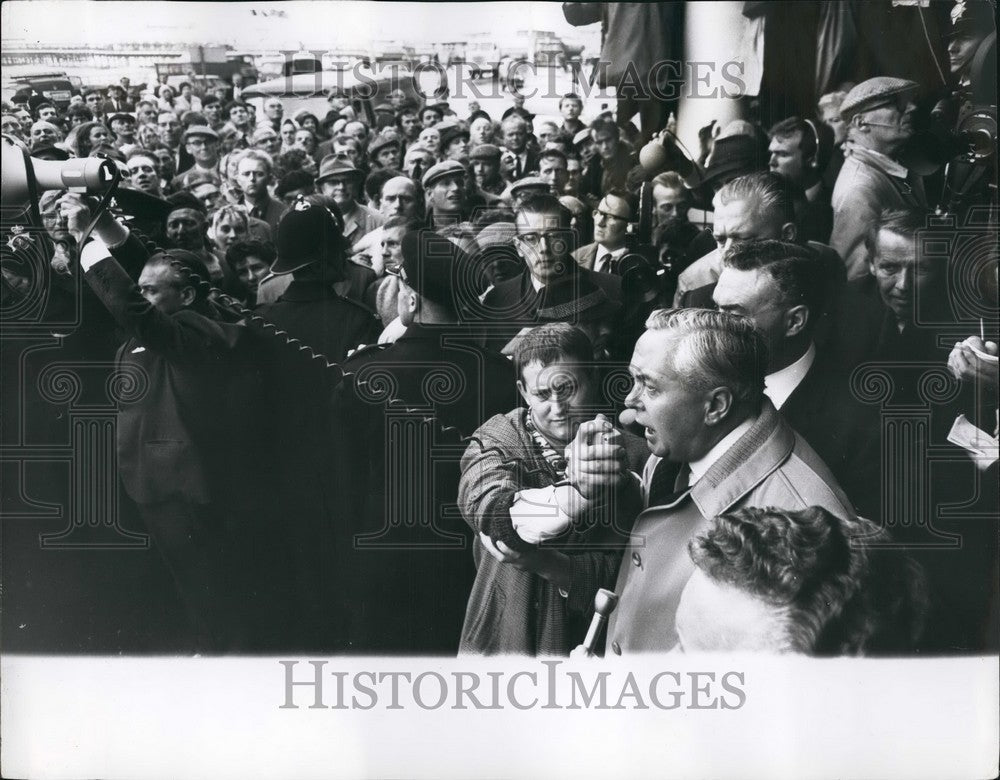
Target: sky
{"x": 322, "y": 23}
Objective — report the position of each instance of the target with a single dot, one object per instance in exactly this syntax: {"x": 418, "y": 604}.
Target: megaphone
{"x": 24, "y": 178}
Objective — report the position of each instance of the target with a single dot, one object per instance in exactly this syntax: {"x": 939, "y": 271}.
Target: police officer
{"x": 313, "y": 320}
{"x": 404, "y": 410}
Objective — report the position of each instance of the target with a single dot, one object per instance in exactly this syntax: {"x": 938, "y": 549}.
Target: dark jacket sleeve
{"x": 182, "y": 338}
{"x": 131, "y": 256}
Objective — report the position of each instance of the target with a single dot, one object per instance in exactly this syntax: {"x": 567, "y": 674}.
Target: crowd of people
{"x": 424, "y": 383}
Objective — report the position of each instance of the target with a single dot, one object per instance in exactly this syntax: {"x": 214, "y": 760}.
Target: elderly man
{"x": 891, "y": 313}
{"x": 718, "y": 444}
{"x": 398, "y": 199}
{"x": 274, "y": 112}
{"x": 520, "y": 160}
{"x": 340, "y": 182}
{"x": 879, "y": 113}
{"x": 611, "y": 218}
{"x": 44, "y": 134}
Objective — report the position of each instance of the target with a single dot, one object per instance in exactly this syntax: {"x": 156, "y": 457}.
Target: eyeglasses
{"x": 555, "y": 239}
{"x": 598, "y": 214}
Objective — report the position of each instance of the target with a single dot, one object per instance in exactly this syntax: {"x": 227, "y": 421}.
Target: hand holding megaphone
{"x": 25, "y": 178}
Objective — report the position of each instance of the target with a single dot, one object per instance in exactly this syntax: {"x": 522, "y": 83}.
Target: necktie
{"x": 518, "y": 170}
{"x": 669, "y": 481}
{"x": 604, "y": 264}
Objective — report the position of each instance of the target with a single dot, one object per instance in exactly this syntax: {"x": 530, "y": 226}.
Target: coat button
{"x": 637, "y": 559}
{"x": 617, "y": 648}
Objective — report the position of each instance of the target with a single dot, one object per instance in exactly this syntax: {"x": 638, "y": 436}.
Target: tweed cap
{"x": 442, "y": 169}
{"x": 874, "y": 93}
{"x": 496, "y": 234}
{"x": 203, "y": 130}
{"x": 529, "y": 182}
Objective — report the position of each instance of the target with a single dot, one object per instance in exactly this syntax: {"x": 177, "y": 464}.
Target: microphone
{"x": 604, "y": 604}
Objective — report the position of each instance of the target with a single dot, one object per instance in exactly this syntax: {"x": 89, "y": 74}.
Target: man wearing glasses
{"x": 879, "y": 114}
{"x": 202, "y": 143}
{"x": 611, "y": 218}
{"x": 545, "y": 241}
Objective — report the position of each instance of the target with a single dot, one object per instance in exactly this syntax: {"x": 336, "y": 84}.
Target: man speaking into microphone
{"x": 718, "y": 444}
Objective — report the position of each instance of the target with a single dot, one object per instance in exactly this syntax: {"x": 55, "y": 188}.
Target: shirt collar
{"x": 699, "y": 467}
{"x": 782, "y": 383}
{"x": 603, "y": 250}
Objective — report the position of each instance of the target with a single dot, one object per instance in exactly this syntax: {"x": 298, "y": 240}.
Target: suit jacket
{"x": 840, "y": 429}
{"x": 770, "y": 465}
{"x": 515, "y": 300}
{"x": 530, "y": 165}
{"x": 109, "y": 107}
{"x": 586, "y": 256}
{"x": 180, "y": 438}
{"x": 514, "y": 611}
{"x": 271, "y": 212}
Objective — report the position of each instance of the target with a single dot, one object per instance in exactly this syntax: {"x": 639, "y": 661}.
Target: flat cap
{"x": 496, "y": 234}
{"x": 873, "y": 93}
{"x": 200, "y": 130}
{"x": 485, "y": 152}
{"x": 583, "y": 135}
{"x": 529, "y": 182}
{"x": 332, "y": 167}
{"x": 263, "y": 133}
{"x": 122, "y": 116}
{"x": 442, "y": 169}
{"x": 430, "y": 265}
